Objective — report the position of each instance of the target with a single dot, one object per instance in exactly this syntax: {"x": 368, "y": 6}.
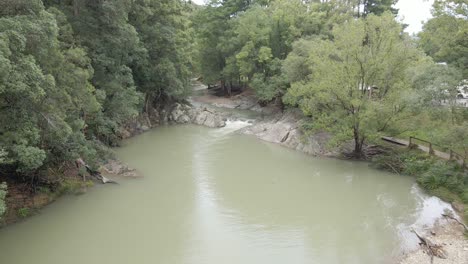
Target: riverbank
{"x": 283, "y": 128}
{"x": 25, "y": 199}
{"x": 450, "y": 235}
{"x": 273, "y": 126}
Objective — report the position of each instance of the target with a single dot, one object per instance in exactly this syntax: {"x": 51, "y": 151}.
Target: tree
{"x": 437, "y": 86}
{"x": 378, "y": 7}
{"x": 357, "y": 83}
{"x": 3, "y": 188}
{"x": 3, "y": 192}
{"x": 164, "y": 30}
{"x": 445, "y": 37}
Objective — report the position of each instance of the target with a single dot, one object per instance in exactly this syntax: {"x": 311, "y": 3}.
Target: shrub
{"x": 23, "y": 212}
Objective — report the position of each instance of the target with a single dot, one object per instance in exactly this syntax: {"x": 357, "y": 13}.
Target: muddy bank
{"x": 25, "y": 197}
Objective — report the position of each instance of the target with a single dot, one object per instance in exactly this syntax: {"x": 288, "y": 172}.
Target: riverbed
{"x": 213, "y": 196}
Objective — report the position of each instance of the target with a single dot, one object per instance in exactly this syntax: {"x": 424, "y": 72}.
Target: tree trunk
{"x": 229, "y": 88}
{"x": 358, "y": 142}
{"x": 223, "y": 86}
{"x": 76, "y": 9}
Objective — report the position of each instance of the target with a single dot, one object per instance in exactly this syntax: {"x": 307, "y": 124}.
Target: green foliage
{"x": 378, "y": 7}
{"x": 71, "y": 186}
{"x": 442, "y": 174}
{"x": 465, "y": 196}
{"x": 357, "y": 84}
{"x": 445, "y": 37}
{"x": 444, "y": 179}
{"x": 24, "y": 212}
{"x": 248, "y": 48}
{"x": 165, "y": 31}
{"x": 73, "y": 72}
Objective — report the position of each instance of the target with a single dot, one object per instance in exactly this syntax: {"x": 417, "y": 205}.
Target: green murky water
{"x": 210, "y": 196}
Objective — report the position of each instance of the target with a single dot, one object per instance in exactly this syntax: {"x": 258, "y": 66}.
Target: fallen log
{"x": 433, "y": 250}
{"x": 458, "y": 221}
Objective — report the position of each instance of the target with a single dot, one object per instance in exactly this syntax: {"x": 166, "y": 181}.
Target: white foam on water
{"x": 428, "y": 211}
{"x": 232, "y": 126}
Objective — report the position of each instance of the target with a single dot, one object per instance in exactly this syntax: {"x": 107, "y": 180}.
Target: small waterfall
{"x": 231, "y": 126}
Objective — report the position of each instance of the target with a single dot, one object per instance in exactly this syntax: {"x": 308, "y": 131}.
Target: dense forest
{"x": 73, "y": 72}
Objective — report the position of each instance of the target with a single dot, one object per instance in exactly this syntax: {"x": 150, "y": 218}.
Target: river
{"x": 211, "y": 196}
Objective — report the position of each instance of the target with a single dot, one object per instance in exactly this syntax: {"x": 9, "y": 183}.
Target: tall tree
{"x": 45, "y": 89}
{"x": 445, "y": 37}
{"x": 164, "y": 30}
{"x": 358, "y": 81}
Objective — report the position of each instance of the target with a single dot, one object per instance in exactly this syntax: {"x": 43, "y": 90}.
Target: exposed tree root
{"x": 458, "y": 221}
{"x": 433, "y": 250}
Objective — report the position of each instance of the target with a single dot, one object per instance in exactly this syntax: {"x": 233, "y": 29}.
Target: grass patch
{"x": 24, "y": 212}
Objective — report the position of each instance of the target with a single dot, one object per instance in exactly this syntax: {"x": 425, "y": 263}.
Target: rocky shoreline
{"x": 450, "y": 236}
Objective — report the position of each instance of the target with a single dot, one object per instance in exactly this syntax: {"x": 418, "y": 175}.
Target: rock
{"x": 118, "y": 168}
{"x": 176, "y": 113}
{"x": 183, "y": 114}
{"x": 283, "y": 129}
{"x": 124, "y": 133}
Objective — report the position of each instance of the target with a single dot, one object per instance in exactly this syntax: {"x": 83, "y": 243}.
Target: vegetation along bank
{"x": 78, "y": 76}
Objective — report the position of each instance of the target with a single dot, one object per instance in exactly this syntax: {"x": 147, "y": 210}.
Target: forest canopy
{"x": 73, "y": 71}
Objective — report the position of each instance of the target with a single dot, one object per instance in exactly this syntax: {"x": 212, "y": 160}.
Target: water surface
{"x": 210, "y": 196}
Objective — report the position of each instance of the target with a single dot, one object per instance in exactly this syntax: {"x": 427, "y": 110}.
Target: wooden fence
{"x": 452, "y": 155}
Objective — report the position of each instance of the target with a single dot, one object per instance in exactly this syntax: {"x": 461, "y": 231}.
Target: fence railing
{"x": 453, "y": 155}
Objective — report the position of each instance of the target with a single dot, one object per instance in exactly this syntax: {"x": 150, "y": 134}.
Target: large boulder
{"x": 283, "y": 129}
{"x": 205, "y": 117}
{"x": 116, "y": 167}
{"x": 183, "y": 114}
{"x": 179, "y": 114}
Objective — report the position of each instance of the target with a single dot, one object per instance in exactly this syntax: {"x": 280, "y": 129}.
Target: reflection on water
{"x": 212, "y": 196}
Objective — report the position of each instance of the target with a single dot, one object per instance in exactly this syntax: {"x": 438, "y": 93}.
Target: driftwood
{"x": 458, "y": 221}
{"x": 96, "y": 174}
{"x": 433, "y": 250}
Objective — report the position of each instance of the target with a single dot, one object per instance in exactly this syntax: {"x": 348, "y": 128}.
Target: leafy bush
{"x": 23, "y": 212}
{"x": 441, "y": 174}
{"x": 464, "y": 196}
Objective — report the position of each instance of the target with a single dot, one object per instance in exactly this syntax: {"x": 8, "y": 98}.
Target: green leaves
{"x": 28, "y": 157}
{"x": 73, "y": 72}
{"x": 354, "y": 83}
{"x": 444, "y": 37}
